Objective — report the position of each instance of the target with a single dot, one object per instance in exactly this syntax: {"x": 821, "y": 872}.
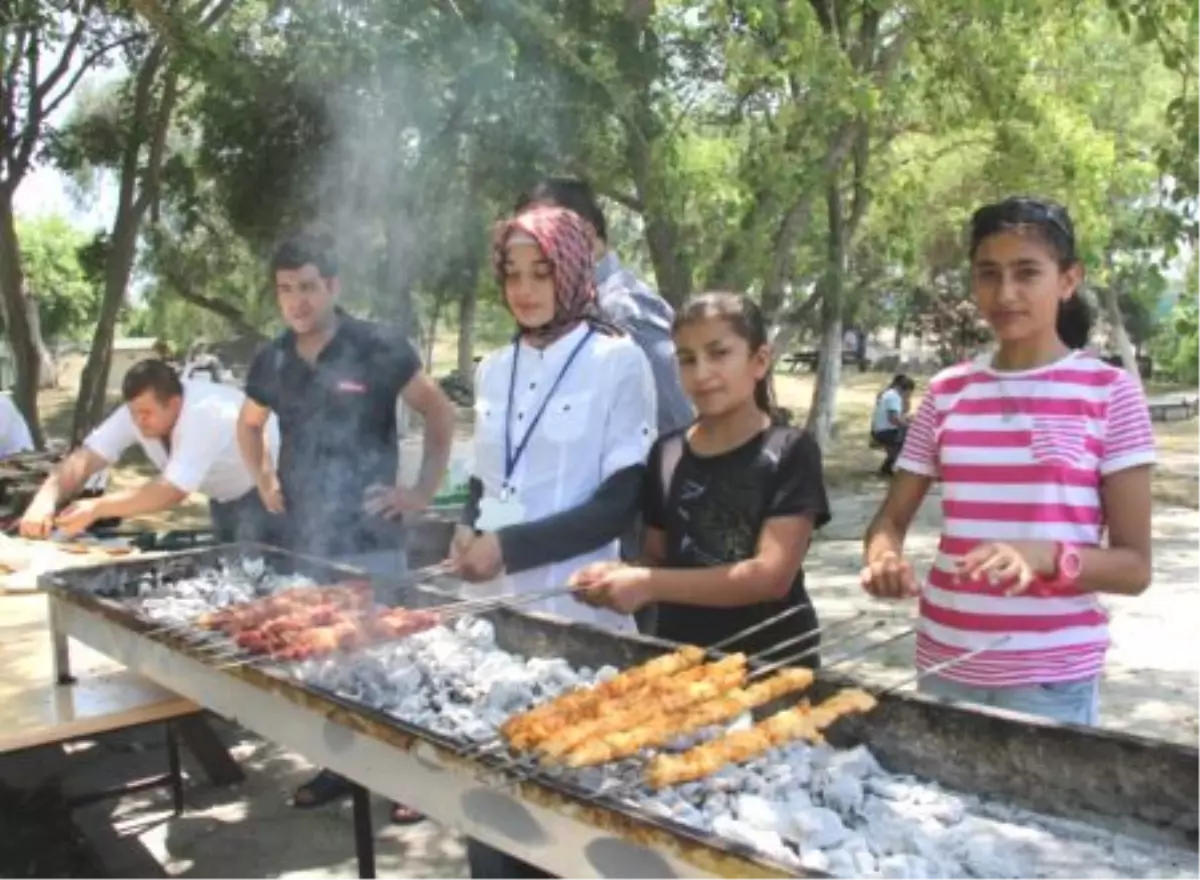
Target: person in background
{"x": 188, "y": 431}
{"x": 564, "y": 419}
{"x": 631, "y": 304}
{"x": 334, "y": 382}
{"x": 202, "y": 365}
{"x": 730, "y": 503}
{"x": 1040, "y": 449}
{"x": 14, "y": 430}
{"x": 889, "y": 421}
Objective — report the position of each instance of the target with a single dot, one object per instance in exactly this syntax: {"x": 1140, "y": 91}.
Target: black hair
{"x": 571, "y": 193}
{"x": 1050, "y": 223}
{"x": 152, "y": 375}
{"x": 746, "y": 320}
{"x": 303, "y": 249}
{"x": 902, "y": 382}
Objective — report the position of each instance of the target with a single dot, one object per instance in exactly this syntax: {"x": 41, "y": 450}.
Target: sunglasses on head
{"x": 1024, "y": 210}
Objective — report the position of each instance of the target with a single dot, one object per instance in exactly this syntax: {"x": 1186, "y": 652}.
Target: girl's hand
{"x": 590, "y": 574}
{"x": 1018, "y": 564}
{"x": 463, "y": 536}
{"x": 889, "y": 576}
{"x": 482, "y": 560}
{"x": 623, "y": 588}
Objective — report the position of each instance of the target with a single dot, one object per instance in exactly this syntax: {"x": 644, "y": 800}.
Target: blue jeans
{"x": 1071, "y": 702}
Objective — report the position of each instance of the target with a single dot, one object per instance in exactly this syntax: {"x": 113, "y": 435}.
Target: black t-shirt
{"x": 714, "y": 514}
{"x": 338, "y": 433}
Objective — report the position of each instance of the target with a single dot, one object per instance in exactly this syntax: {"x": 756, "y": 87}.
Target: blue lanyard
{"x": 511, "y": 456}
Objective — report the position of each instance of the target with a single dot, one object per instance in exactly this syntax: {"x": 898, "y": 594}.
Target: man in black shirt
{"x": 334, "y": 382}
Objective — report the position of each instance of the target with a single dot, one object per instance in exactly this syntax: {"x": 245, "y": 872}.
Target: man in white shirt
{"x": 889, "y": 421}
{"x": 188, "y": 431}
{"x": 14, "y": 432}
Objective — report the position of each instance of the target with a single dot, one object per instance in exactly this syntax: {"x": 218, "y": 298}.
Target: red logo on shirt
{"x": 351, "y": 387}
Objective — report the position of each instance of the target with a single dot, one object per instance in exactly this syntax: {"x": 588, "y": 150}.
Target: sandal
{"x": 402, "y": 815}
{"x": 326, "y": 786}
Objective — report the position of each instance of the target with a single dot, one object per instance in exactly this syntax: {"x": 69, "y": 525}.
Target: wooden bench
{"x": 1172, "y": 409}
{"x": 53, "y": 714}
{"x": 810, "y": 358}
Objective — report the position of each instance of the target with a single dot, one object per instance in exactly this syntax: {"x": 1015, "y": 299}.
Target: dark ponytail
{"x": 746, "y": 319}
{"x": 1074, "y": 323}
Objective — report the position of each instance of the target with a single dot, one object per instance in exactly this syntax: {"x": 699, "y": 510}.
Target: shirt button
{"x": 532, "y": 385}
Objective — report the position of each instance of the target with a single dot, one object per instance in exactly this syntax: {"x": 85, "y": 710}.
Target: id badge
{"x": 496, "y": 514}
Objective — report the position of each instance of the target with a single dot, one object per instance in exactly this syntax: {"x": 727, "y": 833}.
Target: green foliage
{"x": 68, "y": 298}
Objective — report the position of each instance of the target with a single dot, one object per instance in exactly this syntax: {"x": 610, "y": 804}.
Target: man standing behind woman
{"x": 630, "y": 303}
{"x": 564, "y": 419}
{"x": 333, "y": 381}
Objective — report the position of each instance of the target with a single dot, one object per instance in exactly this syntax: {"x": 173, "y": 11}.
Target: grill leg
{"x": 176, "y": 771}
{"x": 364, "y": 834}
{"x": 59, "y": 646}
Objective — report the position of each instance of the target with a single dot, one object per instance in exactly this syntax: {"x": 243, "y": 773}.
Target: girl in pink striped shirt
{"x": 1041, "y": 449}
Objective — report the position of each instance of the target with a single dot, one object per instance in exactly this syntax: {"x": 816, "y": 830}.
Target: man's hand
{"x": 482, "y": 560}
{"x": 391, "y": 502}
{"x": 623, "y": 588}
{"x": 38, "y": 519}
{"x": 889, "y": 576}
{"x": 76, "y": 518}
{"x": 271, "y": 492}
{"x": 593, "y": 573}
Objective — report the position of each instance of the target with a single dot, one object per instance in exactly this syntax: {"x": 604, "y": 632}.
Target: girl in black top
{"x": 730, "y": 502}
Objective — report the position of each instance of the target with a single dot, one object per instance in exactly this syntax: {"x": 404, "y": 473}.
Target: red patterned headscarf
{"x": 567, "y": 242}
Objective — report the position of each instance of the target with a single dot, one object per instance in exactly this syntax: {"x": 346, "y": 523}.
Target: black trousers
{"x": 892, "y": 440}
{"x": 245, "y": 519}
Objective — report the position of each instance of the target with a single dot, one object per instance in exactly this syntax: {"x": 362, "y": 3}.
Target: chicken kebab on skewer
{"x": 801, "y": 722}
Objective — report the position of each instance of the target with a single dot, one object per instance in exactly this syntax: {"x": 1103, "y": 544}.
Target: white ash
{"x": 453, "y": 681}
{"x": 816, "y": 808}
{"x": 840, "y": 813}
{"x": 182, "y": 600}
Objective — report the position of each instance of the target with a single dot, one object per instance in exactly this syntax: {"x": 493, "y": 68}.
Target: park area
{"x": 825, "y": 159}
{"x": 1150, "y": 688}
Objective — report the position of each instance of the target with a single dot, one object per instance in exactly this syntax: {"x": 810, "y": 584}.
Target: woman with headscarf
{"x": 564, "y": 420}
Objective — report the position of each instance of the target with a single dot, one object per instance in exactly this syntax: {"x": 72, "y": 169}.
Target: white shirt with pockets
{"x": 600, "y": 420}
{"x": 204, "y": 454}
{"x": 14, "y": 430}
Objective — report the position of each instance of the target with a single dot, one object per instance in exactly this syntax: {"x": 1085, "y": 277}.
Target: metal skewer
{"x": 945, "y": 664}
{"x": 763, "y": 671}
{"x": 804, "y": 637}
{"x": 758, "y": 627}
{"x": 855, "y": 656}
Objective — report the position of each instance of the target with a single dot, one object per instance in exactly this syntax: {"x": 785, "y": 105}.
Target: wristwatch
{"x": 1068, "y": 563}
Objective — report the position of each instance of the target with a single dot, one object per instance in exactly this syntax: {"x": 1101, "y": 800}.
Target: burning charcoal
{"x": 905, "y": 867}
{"x": 814, "y": 860}
{"x": 817, "y": 826}
{"x": 767, "y": 842}
{"x": 607, "y": 673}
{"x": 759, "y": 813}
{"x": 840, "y": 792}
{"x": 853, "y": 859}
{"x": 857, "y": 762}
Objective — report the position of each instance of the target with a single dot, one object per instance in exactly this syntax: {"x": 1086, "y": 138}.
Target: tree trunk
{"x": 829, "y": 365}
{"x": 16, "y": 317}
{"x": 1119, "y": 336}
{"x": 466, "y": 328}
{"x": 48, "y": 370}
{"x": 92, "y": 402}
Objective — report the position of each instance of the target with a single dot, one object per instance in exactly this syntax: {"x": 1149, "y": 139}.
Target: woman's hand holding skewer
{"x": 623, "y": 588}
{"x": 482, "y": 559}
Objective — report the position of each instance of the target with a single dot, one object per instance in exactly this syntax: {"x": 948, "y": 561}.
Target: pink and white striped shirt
{"x": 1021, "y": 456}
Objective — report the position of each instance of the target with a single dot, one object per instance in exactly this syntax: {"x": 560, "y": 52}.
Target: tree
{"x": 129, "y": 132}
{"x": 45, "y": 50}
{"x": 66, "y": 297}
